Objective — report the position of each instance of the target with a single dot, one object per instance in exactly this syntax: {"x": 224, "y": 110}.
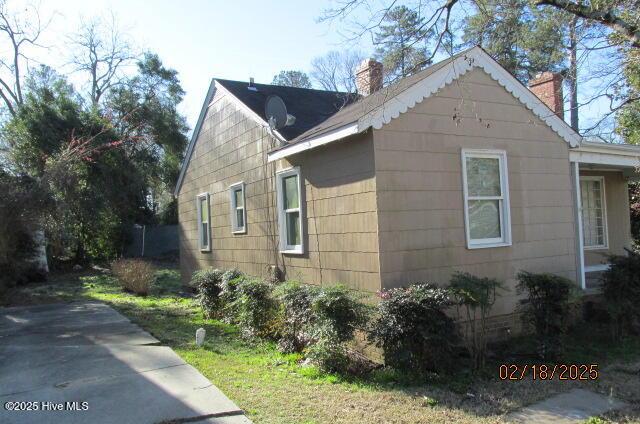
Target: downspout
{"x": 578, "y": 212}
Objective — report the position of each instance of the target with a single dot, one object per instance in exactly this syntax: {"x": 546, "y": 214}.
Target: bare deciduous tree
{"x": 620, "y": 16}
{"x": 336, "y": 71}
{"x": 102, "y": 51}
{"x": 21, "y": 30}
{"x": 613, "y": 27}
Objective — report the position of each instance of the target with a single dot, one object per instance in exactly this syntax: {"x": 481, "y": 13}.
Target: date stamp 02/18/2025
{"x": 575, "y": 372}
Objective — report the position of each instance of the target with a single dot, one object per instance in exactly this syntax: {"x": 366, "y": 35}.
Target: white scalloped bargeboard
{"x": 476, "y": 57}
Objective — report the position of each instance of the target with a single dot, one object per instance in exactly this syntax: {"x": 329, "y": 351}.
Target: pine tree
{"x": 528, "y": 40}
{"x": 522, "y": 40}
{"x": 292, "y": 79}
{"x": 402, "y": 43}
{"x": 628, "y": 116}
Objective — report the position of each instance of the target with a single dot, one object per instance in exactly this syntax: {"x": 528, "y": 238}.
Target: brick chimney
{"x": 548, "y": 87}
{"x": 369, "y": 77}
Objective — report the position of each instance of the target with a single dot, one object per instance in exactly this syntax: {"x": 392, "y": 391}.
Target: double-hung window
{"x": 290, "y": 211}
{"x": 238, "y": 211}
{"x": 594, "y": 212}
{"x": 486, "y": 198}
{"x": 204, "y": 217}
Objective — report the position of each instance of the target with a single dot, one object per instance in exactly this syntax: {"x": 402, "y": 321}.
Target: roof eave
{"x": 612, "y": 148}
{"x": 313, "y": 142}
{"x": 215, "y": 85}
{"x": 194, "y": 136}
{"x": 407, "y": 99}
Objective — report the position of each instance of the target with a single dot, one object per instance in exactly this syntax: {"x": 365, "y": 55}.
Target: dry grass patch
{"x": 276, "y": 388}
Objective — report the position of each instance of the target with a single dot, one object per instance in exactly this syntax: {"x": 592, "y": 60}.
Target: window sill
{"x": 205, "y": 250}
{"x": 239, "y": 232}
{"x": 299, "y": 251}
{"x": 597, "y": 248}
{"x": 488, "y": 245}
{"x": 597, "y": 268}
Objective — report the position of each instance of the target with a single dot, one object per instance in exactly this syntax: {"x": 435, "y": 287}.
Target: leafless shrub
{"x": 135, "y": 275}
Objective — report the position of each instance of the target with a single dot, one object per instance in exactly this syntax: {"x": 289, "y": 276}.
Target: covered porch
{"x": 601, "y": 173}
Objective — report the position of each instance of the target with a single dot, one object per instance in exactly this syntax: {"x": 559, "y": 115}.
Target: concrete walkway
{"x": 87, "y": 352}
{"x": 571, "y": 407}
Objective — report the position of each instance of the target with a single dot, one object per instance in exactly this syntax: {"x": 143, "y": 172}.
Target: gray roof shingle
{"x": 366, "y": 105}
{"x": 310, "y": 107}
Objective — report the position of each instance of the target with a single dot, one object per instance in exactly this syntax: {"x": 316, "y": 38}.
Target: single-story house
{"x": 459, "y": 167}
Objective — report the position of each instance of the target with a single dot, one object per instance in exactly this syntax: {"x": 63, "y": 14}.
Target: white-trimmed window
{"x": 594, "y": 212}
{"x": 290, "y": 211}
{"x": 204, "y": 217}
{"x": 486, "y": 198}
{"x": 238, "y": 211}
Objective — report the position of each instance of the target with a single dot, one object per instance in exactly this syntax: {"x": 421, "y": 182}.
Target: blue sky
{"x": 201, "y": 39}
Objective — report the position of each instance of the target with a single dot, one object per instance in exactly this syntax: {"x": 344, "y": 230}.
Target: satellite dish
{"x": 276, "y": 112}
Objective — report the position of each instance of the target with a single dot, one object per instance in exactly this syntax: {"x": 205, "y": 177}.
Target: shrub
{"x": 23, "y": 204}
{"x": 231, "y": 274}
{"x": 253, "y": 308}
{"x": 135, "y": 275}
{"x": 547, "y": 308}
{"x": 208, "y": 282}
{"x": 476, "y": 296}
{"x": 329, "y": 355}
{"x": 413, "y": 330}
{"x": 296, "y": 315}
{"x": 228, "y": 295}
{"x": 621, "y": 290}
{"x": 337, "y": 314}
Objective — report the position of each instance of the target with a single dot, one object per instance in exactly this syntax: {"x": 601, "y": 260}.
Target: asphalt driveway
{"x": 83, "y": 362}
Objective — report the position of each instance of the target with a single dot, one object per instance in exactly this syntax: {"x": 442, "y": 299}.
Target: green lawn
{"x": 275, "y": 388}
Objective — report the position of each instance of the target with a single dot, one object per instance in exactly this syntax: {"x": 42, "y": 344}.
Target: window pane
{"x": 240, "y": 217}
{"x": 238, "y": 197}
{"x": 290, "y": 189}
{"x": 593, "y": 225}
{"x": 204, "y": 209}
{"x": 293, "y": 228}
{"x": 205, "y": 235}
{"x": 483, "y": 176}
{"x": 484, "y": 219}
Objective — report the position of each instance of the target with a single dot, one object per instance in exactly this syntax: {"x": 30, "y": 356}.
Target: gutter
{"x": 313, "y": 142}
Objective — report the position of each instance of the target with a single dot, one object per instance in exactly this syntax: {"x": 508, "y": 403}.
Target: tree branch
{"x": 608, "y": 17}
{"x": 7, "y": 102}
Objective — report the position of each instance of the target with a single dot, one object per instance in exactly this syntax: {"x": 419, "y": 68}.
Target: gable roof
{"x": 310, "y": 108}
{"x": 196, "y": 130}
{"x": 388, "y": 103}
{"x": 367, "y": 104}
{"x": 325, "y": 116}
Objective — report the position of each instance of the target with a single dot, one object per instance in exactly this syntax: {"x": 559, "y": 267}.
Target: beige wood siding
{"x": 420, "y": 198}
{"x": 340, "y": 192}
{"x": 618, "y": 216}
{"x": 341, "y": 225}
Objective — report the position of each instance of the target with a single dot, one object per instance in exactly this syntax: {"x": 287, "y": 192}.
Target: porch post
{"x": 578, "y": 212}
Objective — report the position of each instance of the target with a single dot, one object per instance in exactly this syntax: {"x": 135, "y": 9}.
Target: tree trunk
{"x": 572, "y": 75}
{"x": 39, "y": 261}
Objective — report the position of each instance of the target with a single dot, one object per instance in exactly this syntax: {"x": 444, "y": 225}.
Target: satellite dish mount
{"x": 276, "y": 112}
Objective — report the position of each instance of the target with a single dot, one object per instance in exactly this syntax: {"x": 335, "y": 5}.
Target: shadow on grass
{"x": 171, "y": 315}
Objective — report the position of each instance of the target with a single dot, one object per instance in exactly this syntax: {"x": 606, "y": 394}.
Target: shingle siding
{"x": 341, "y": 226}
{"x": 385, "y": 208}
{"x": 420, "y": 199}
